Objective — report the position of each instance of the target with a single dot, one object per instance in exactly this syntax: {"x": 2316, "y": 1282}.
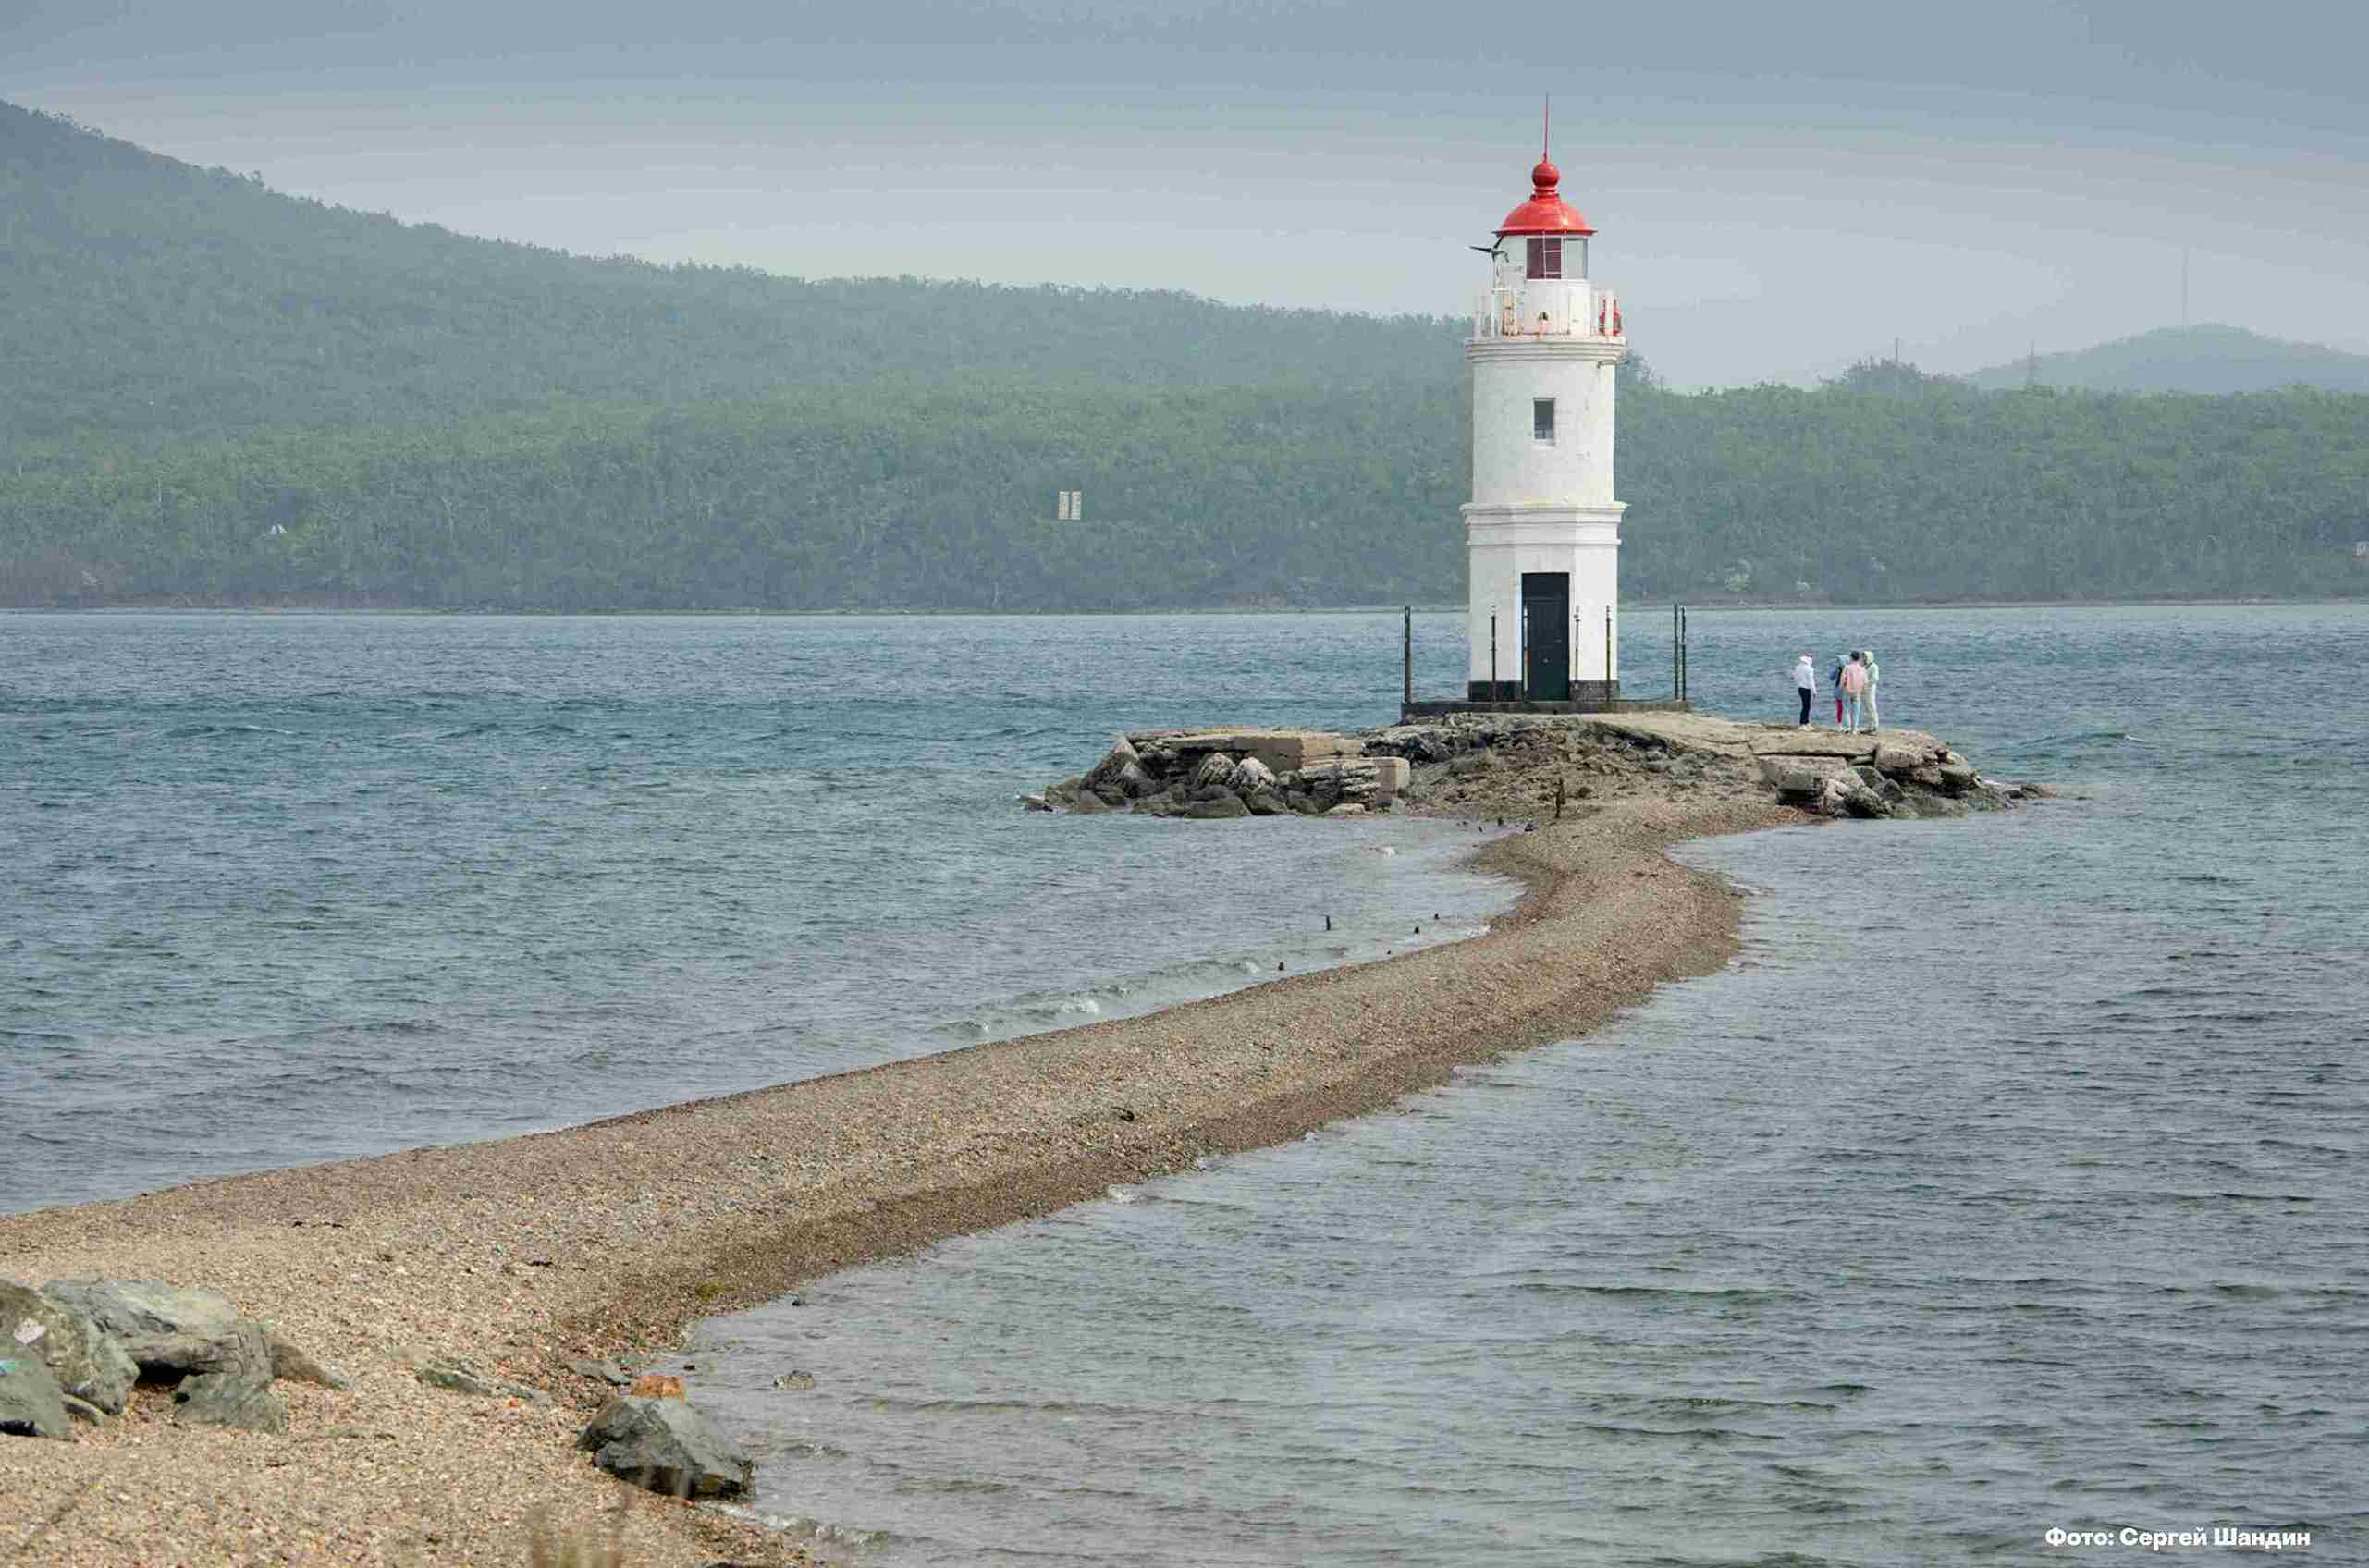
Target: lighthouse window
{"x": 1546, "y": 257}
{"x": 1542, "y": 419}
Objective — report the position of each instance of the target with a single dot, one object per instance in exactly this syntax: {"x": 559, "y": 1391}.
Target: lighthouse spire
{"x": 1546, "y": 124}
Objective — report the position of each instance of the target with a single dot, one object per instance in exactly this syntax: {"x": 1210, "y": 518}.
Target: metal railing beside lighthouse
{"x": 1552, "y": 310}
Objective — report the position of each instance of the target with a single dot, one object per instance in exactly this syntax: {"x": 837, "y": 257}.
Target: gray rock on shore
{"x": 460, "y": 1377}
{"x": 292, "y": 1365}
{"x": 667, "y": 1447}
{"x": 87, "y": 1362}
{"x": 239, "y": 1398}
{"x": 607, "y": 1372}
{"x": 223, "y": 1361}
{"x": 31, "y": 1405}
{"x": 164, "y": 1328}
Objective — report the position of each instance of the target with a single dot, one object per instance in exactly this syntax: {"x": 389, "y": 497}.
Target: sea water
{"x": 289, "y": 888}
{"x": 2013, "y": 1182}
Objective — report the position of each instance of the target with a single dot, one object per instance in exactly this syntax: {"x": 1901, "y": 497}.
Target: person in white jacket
{"x": 1805, "y": 680}
{"x": 1875, "y": 721}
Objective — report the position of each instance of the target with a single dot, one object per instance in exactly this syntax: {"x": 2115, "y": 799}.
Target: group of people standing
{"x": 1854, "y": 683}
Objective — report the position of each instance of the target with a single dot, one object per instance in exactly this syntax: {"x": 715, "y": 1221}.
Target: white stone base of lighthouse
{"x": 1544, "y": 618}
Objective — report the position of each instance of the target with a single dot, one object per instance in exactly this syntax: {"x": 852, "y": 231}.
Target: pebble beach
{"x": 521, "y": 1256}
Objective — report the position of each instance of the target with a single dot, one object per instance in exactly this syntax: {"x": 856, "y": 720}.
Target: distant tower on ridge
{"x": 1543, "y": 528}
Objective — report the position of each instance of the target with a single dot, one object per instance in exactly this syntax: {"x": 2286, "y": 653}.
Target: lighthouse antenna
{"x": 1546, "y": 124}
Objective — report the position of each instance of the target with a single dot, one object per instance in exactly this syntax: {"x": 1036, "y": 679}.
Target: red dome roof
{"x": 1544, "y": 212}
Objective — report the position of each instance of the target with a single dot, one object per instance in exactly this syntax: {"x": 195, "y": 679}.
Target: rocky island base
{"x": 1525, "y": 765}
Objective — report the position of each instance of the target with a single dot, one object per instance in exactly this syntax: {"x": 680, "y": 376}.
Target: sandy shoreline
{"x": 521, "y": 1253}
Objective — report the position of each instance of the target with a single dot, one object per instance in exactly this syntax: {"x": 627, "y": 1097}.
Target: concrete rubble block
{"x": 1358, "y": 778}
{"x": 1803, "y": 777}
{"x": 85, "y": 1359}
{"x": 1895, "y": 759}
{"x": 1281, "y": 750}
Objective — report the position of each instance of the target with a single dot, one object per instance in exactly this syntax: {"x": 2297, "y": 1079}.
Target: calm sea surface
{"x": 2015, "y": 1180}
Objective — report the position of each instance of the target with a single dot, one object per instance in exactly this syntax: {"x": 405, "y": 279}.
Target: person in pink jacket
{"x": 1854, "y": 691}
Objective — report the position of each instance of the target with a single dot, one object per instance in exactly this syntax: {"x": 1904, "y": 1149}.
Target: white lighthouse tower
{"x": 1542, "y": 530}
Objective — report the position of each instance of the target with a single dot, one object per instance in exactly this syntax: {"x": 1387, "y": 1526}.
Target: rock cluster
{"x": 1895, "y": 779}
{"x": 1541, "y": 768}
{"x": 1211, "y": 775}
{"x": 75, "y": 1349}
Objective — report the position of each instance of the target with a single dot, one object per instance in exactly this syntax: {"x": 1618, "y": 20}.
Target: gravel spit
{"x": 523, "y": 1255}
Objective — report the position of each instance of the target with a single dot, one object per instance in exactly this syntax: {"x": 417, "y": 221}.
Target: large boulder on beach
{"x": 167, "y": 1328}
{"x": 666, "y": 1446}
{"x": 1220, "y": 804}
{"x": 84, "y": 1358}
{"x": 30, "y": 1402}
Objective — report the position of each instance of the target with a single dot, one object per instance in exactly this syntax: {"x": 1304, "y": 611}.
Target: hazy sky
{"x": 1778, "y": 189}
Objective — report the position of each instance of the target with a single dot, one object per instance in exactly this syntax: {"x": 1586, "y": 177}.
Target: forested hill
{"x": 149, "y": 299}
{"x": 216, "y": 393}
{"x": 2208, "y": 359}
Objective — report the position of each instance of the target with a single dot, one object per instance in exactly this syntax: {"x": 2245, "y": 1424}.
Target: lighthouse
{"x": 1543, "y": 528}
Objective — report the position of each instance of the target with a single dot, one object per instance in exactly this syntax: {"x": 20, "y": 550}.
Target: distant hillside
{"x": 2209, "y": 360}
{"x": 218, "y": 394}
{"x": 150, "y": 299}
